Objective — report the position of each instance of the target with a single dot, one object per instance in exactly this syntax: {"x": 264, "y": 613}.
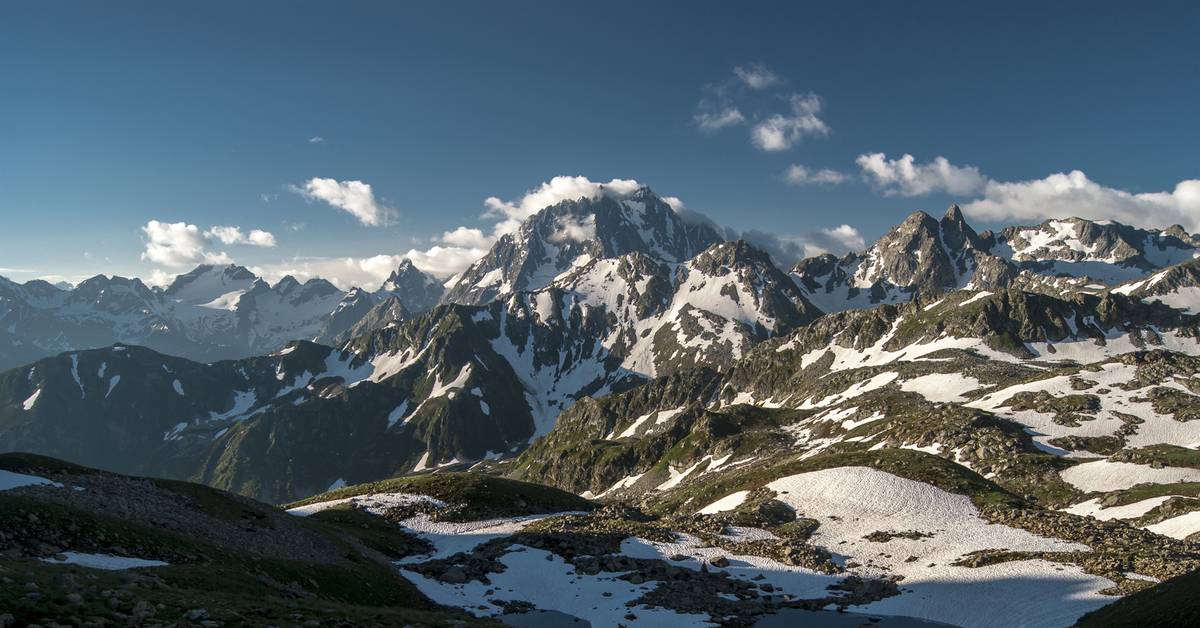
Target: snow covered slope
{"x": 572, "y": 232}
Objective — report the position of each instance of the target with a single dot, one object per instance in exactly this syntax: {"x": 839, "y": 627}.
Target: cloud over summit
{"x": 355, "y": 197}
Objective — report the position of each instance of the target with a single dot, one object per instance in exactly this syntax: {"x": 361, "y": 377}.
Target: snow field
{"x": 1104, "y": 476}
{"x": 1156, "y": 429}
{"x": 1178, "y": 527}
{"x": 105, "y": 561}
{"x": 852, "y": 502}
{"x": 550, "y": 584}
{"x": 8, "y": 480}
{"x": 729, "y": 502}
{"x": 941, "y": 387}
{"x": 1092, "y": 508}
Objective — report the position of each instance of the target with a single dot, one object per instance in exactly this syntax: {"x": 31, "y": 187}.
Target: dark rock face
{"x": 924, "y": 257}
{"x": 550, "y": 242}
{"x": 920, "y": 257}
{"x": 417, "y": 290}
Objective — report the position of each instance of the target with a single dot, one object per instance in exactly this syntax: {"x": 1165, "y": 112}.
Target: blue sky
{"x": 134, "y": 134}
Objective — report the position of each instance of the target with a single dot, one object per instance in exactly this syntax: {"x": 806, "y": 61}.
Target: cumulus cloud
{"x": 355, "y": 197}
{"x": 1066, "y": 195}
{"x": 780, "y": 132}
{"x": 571, "y": 229}
{"x": 468, "y": 238}
{"x": 456, "y": 250}
{"x": 316, "y": 140}
{"x": 799, "y": 175}
{"x": 786, "y": 250}
{"x": 757, "y": 76}
{"x": 1056, "y": 196}
{"x": 555, "y": 191}
{"x": 234, "y": 235}
{"x": 179, "y": 244}
{"x": 710, "y": 121}
{"x": 367, "y": 273}
{"x": 159, "y": 278}
{"x": 905, "y": 177}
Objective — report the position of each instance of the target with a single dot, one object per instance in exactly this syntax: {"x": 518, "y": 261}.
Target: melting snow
{"x": 729, "y": 502}
{"x": 1102, "y": 475}
{"x": 1032, "y": 593}
{"x": 1178, "y": 527}
{"x": 28, "y": 405}
{"x": 8, "y": 480}
{"x": 396, "y": 414}
{"x": 105, "y": 561}
{"x": 178, "y": 387}
{"x": 941, "y": 387}
{"x": 1093, "y": 508}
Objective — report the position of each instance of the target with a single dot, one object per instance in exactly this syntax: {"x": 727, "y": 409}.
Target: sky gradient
{"x": 134, "y": 135}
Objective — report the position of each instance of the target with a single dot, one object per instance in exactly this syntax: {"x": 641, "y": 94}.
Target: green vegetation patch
{"x": 475, "y": 496}
{"x": 1170, "y": 604}
{"x": 1160, "y": 455}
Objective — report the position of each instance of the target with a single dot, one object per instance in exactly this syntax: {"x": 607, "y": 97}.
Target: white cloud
{"x": 781, "y": 132}
{"x": 159, "y": 278}
{"x": 445, "y": 261}
{"x": 1056, "y": 196}
{"x": 355, "y": 197}
{"x": 179, "y": 244}
{"x": 570, "y": 229}
{"x": 258, "y": 237}
{"x": 906, "y": 178}
{"x": 757, "y": 76}
{"x": 711, "y": 121}
{"x": 1066, "y": 195}
{"x": 234, "y": 235}
{"x": 468, "y": 238}
{"x": 842, "y": 239}
{"x": 317, "y": 140}
{"x": 786, "y": 250}
{"x": 368, "y": 273}
{"x": 799, "y": 175}
{"x": 557, "y": 190}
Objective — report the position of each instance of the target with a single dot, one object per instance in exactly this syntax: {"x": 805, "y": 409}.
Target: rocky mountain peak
{"x": 419, "y": 290}
{"x": 957, "y": 234}
{"x": 555, "y": 239}
{"x": 716, "y": 258}
{"x": 224, "y": 275}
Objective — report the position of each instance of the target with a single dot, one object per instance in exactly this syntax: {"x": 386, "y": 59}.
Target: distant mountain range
{"x": 212, "y": 313}
{"x": 1003, "y": 408}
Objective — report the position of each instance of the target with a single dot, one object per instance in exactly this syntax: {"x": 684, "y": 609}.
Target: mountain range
{"x": 1034, "y": 387}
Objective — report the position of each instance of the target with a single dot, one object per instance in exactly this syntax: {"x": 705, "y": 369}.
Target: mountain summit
{"x": 572, "y": 233}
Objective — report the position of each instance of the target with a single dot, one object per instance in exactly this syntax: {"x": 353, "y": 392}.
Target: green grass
{"x": 486, "y": 491}
{"x": 1174, "y": 603}
{"x": 1169, "y": 455}
{"x": 914, "y": 465}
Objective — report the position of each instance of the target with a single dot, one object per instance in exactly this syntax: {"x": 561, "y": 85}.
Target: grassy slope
{"x": 233, "y": 586}
{"x": 1172, "y": 604}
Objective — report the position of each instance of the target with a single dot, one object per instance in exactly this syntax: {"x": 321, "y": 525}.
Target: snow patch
{"x": 28, "y": 404}
{"x": 105, "y": 561}
{"x": 1103, "y": 476}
